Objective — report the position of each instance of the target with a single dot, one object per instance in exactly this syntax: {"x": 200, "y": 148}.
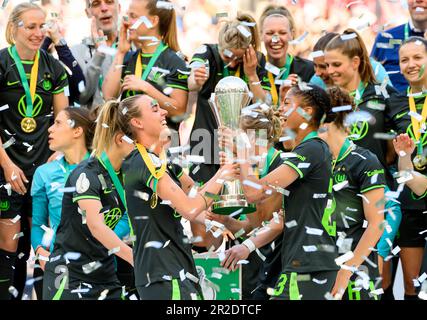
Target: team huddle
{"x": 328, "y": 156}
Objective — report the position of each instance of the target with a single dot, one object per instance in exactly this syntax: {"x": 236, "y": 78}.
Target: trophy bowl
{"x": 231, "y": 96}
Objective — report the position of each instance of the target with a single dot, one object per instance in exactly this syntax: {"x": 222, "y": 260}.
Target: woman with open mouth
{"x": 277, "y": 30}
{"x": 410, "y": 107}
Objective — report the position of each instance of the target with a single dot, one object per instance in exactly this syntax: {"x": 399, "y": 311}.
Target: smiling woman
{"x": 32, "y": 86}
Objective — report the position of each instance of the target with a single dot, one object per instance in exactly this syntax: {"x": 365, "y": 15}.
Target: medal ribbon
{"x": 30, "y": 92}
{"x": 138, "y": 68}
{"x": 358, "y": 93}
{"x": 116, "y": 181}
{"x": 157, "y": 174}
{"x": 416, "y": 125}
{"x": 285, "y": 75}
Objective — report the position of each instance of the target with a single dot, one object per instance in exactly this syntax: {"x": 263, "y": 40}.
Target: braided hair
{"x": 315, "y": 97}
{"x": 339, "y": 97}
{"x": 263, "y": 119}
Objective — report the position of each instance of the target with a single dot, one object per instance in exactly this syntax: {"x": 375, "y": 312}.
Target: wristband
{"x": 248, "y": 243}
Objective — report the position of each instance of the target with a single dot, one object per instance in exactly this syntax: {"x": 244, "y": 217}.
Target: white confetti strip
{"x": 291, "y": 224}
{"x": 72, "y": 255}
{"x": 317, "y": 54}
{"x": 377, "y": 291}
{"x": 164, "y": 5}
{"x": 8, "y": 143}
{"x": 396, "y": 250}
{"x": 341, "y": 185}
{"x": 272, "y": 69}
{"x": 422, "y": 277}
{"x": 18, "y": 235}
{"x": 344, "y": 258}
{"x": 113, "y": 251}
{"x": 309, "y": 248}
{"x": 153, "y": 244}
{"x": 350, "y": 36}
{"x": 13, "y": 291}
{"x": 319, "y": 281}
{"x": 107, "y": 50}
{"x": 303, "y": 165}
{"x": 5, "y": 107}
{"x": 242, "y": 262}
{"x": 252, "y": 184}
{"x": 16, "y": 219}
{"x": 244, "y": 31}
{"x": 191, "y": 277}
{"x": 342, "y": 108}
{"x": 365, "y": 224}
{"x": 91, "y": 266}
{"x": 299, "y": 39}
{"x": 182, "y": 275}
{"x": 313, "y": 231}
{"x": 81, "y": 86}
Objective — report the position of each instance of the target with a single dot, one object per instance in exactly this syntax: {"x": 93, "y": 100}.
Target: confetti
{"x": 252, "y": 184}
{"x": 244, "y": 31}
{"x": 81, "y": 86}
{"x": 349, "y": 36}
{"x": 313, "y": 231}
{"x": 422, "y": 277}
{"x": 191, "y": 277}
{"x": 72, "y": 255}
{"x": 309, "y": 248}
{"x": 113, "y": 251}
{"x": 342, "y": 108}
{"x": 13, "y": 291}
{"x": 341, "y": 185}
{"x": 107, "y": 50}
{"x": 396, "y": 250}
{"x": 317, "y": 54}
{"x": 319, "y": 195}
{"x": 82, "y": 184}
{"x": 164, "y": 5}
{"x": 299, "y": 39}
{"x": 16, "y": 219}
{"x": 153, "y": 244}
{"x": 384, "y": 136}
{"x": 8, "y": 143}
{"x": 18, "y": 235}
{"x": 344, "y": 258}
{"x": 319, "y": 281}
{"x": 67, "y": 190}
{"x": 272, "y": 69}
{"x": 5, "y": 107}
{"x": 291, "y": 224}
{"x": 91, "y": 266}
{"x": 303, "y": 165}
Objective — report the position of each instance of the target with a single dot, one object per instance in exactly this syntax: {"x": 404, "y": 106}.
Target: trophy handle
{"x": 214, "y": 109}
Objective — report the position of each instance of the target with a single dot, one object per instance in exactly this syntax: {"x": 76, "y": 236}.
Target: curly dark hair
{"x": 339, "y": 97}
{"x": 314, "y": 97}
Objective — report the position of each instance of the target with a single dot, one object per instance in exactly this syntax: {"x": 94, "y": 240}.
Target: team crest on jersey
{"x": 47, "y": 84}
{"x": 340, "y": 177}
{"x": 4, "y": 205}
{"x": 37, "y": 105}
{"x": 359, "y": 130}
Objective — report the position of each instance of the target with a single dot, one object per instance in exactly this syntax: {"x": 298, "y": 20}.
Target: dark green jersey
{"x": 160, "y": 251}
{"x": 29, "y": 150}
{"x": 400, "y": 111}
{"x": 356, "y": 172}
{"x": 363, "y": 132}
{"x": 90, "y": 180}
{"x": 309, "y": 232}
{"x": 169, "y": 71}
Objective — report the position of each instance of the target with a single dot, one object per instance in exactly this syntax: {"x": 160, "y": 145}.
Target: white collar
{"x": 412, "y": 27}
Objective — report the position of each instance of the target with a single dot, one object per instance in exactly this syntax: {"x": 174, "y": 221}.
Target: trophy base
{"x": 230, "y": 204}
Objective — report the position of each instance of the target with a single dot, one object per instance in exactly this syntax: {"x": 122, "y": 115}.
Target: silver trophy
{"x": 231, "y": 96}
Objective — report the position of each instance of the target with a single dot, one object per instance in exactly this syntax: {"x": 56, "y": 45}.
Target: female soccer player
{"x": 308, "y": 245}
{"x": 92, "y": 206}
{"x": 263, "y": 129}
{"x": 277, "y": 30}
{"x": 236, "y": 54}
{"x": 359, "y": 183}
{"x": 164, "y": 266}
{"x": 155, "y": 68}
{"x": 31, "y": 86}
{"x": 411, "y": 108}
{"x": 71, "y": 134}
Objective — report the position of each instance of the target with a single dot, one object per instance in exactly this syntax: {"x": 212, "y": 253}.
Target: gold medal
{"x": 28, "y": 125}
{"x": 420, "y": 162}
{"x": 153, "y": 200}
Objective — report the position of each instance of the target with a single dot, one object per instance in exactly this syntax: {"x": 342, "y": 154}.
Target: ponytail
{"x": 255, "y": 41}
{"x": 351, "y": 48}
{"x": 339, "y": 97}
{"x": 167, "y": 23}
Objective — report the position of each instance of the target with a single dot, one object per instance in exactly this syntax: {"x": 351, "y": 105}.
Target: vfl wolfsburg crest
{"x": 37, "y": 105}
{"x": 339, "y": 177}
{"x": 47, "y": 84}
{"x": 359, "y": 130}
{"x": 4, "y": 205}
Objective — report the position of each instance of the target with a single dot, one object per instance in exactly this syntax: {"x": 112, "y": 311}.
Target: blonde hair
{"x": 265, "y": 119}
{"x": 231, "y": 38}
{"x": 114, "y": 118}
{"x": 167, "y": 23}
{"x": 15, "y": 17}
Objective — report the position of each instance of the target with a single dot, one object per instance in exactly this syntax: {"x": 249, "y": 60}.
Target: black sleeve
{"x": 305, "y": 157}
{"x": 178, "y": 76}
{"x": 60, "y": 80}
{"x": 87, "y": 185}
{"x": 65, "y": 55}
